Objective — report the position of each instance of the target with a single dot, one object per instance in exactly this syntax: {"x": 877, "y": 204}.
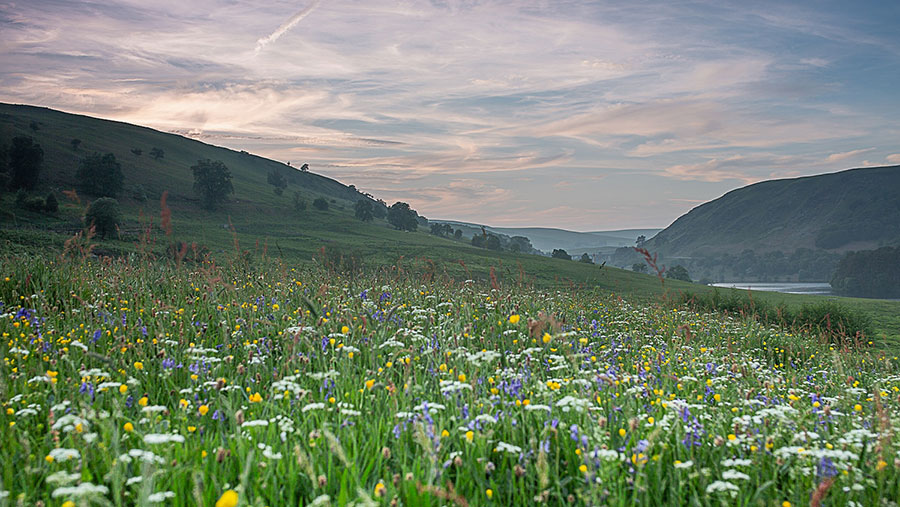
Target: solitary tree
{"x": 277, "y": 180}
{"x": 157, "y": 153}
{"x": 212, "y": 180}
{"x": 100, "y": 175}
{"x": 458, "y": 234}
{"x": 25, "y": 159}
{"x": 363, "y": 210}
{"x": 559, "y": 253}
{"x": 678, "y": 273}
{"x": 640, "y": 240}
{"x": 492, "y": 242}
{"x": 639, "y": 267}
{"x": 103, "y": 216}
{"x": 76, "y": 143}
{"x": 402, "y": 217}
{"x": 299, "y": 202}
{"x": 585, "y": 258}
{"x": 320, "y": 204}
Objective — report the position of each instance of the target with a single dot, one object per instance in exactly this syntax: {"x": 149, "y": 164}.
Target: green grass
{"x": 287, "y": 384}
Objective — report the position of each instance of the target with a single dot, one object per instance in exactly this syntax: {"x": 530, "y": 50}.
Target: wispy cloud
{"x": 286, "y": 26}
{"x": 840, "y": 157}
{"x": 498, "y": 111}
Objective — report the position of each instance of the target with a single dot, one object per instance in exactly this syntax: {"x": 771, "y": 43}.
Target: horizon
{"x": 580, "y": 116}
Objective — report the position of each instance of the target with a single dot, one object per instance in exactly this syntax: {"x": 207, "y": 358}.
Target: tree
{"x": 320, "y": 204}
{"x": 678, "y": 272}
{"x": 100, "y": 175}
{"x": 442, "y": 230}
{"x": 212, "y": 180}
{"x": 520, "y": 244}
{"x": 103, "y": 216}
{"x": 639, "y": 267}
{"x": 559, "y": 253}
{"x": 299, "y": 202}
{"x": 478, "y": 240}
{"x": 640, "y": 240}
{"x": 277, "y": 180}
{"x": 157, "y": 153}
{"x": 51, "y": 205}
{"x": 585, "y": 258}
{"x": 363, "y": 210}
{"x": 25, "y": 159}
{"x": 75, "y": 144}
{"x": 492, "y": 242}
{"x": 458, "y": 234}
{"x": 379, "y": 209}
{"x": 304, "y": 168}
{"x": 402, "y": 217}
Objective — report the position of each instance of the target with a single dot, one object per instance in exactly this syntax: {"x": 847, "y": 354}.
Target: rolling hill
{"x": 256, "y": 223}
{"x": 854, "y": 209}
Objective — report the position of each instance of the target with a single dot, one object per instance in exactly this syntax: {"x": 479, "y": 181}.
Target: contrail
{"x": 296, "y": 18}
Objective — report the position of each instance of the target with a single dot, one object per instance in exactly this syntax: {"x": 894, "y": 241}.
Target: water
{"x": 811, "y": 288}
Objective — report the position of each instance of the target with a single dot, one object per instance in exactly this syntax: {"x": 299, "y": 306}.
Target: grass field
{"x": 265, "y": 383}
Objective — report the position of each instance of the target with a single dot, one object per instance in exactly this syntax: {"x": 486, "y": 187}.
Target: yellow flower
{"x": 717, "y": 397}
{"x": 10, "y": 411}
{"x": 857, "y": 407}
{"x": 650, "y": 419}
{"x": 785, "y": 504}
{"x": 345, "y": 329}
{"x": 583, "y": 469}
{"x": 380, "y": 490}
{"x": 622, "y": 432}
{"x": 732, "y": 436}
{"x": 462, "y": 377}
{"x": 123, "y": 388}
{"x": 143, "y": 401}
{"x": 370, "y": 383}
{"x": 445, "y": 434}
{"x": 128, "y": 427}
{"x": 546, "y": 338}
{"x": 526, "y": 402}
{"x": 255, "y": 397}
{"x": 138, "y": 365}
{"x": 203, "y": 409}
{"x": 513, "y": 319}
{"x": 470, "y": 435}
{"x": 192, "y": 429}
{"x": 68, "y": 503}
{"x": 228, "y": 499}
{"x": 489, "y": 492}
{"x": 48, "y": 458}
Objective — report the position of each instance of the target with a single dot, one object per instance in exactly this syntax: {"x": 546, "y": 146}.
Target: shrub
{"x": 320, "y": 204}
{"x": 100, "y": 175}
{"x": 103, "y": 215}
{"x": 51, "y": 204}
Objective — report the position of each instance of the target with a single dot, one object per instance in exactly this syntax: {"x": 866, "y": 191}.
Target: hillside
{"x": 258, "y": 223}
{"x": 848, "y": 210}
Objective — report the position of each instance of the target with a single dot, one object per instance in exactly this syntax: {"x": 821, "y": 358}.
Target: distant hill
{"x": 547, "y": 239}
{"x": 849, "y": 210}
{"x": 782, "y": 230}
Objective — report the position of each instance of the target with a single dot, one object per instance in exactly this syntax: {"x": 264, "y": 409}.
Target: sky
{"x": 584, "y": 115}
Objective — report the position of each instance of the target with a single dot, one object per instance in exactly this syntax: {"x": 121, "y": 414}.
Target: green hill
{"x": 849, "y": 210}
{"x": 257, "y": 223}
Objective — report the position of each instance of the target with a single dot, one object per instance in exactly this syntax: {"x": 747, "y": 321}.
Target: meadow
{"x": 261, "y": 383}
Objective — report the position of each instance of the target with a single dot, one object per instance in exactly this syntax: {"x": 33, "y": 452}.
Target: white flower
{"x": 134, "y": 480}
{"x": 154, "y": 408}
{"x": 313, "y": 406}
{"x": 64, "y": 454}
{"x": 732, "y": 474}
{"x": 255, "y": 422}
{"x": 83, "y": 489}
{"x": 62, "y": 477}
{"x": 537, "y": 407}
{"x": 160, "y": 497}
{"x": 686, "y": 464}
{"x": 737, "y": 463}
{"x": 163, "y": 438}
{"x": 512, "y": 449}
{"x": 722, "y": 486}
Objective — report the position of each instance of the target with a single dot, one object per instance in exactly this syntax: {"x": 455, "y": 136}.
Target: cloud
{"x": 838, "y": 157}
{"x": 894, "y": 158}
{"x": 287, "y": 25}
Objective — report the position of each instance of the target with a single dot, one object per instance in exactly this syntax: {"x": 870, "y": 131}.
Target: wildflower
{"x": 380, "y": 490}
{"x": 255, "y": 397}
{"x": 123, "y": 388}
{"x": 489, "y": 493}
{"x": 470, "y": 435}
{"x": 138, "y": 365}
{"x": 857, "y": 407}
{"x": 546, "y": 338}
{"x": 228, "y": 499}
{"x": 513, "y": 319}
{"x": 143, "y": 401}
{"x": 203, "y": 409}
{"x": 128, "y": 427}
{"x": 622, "y": 432}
